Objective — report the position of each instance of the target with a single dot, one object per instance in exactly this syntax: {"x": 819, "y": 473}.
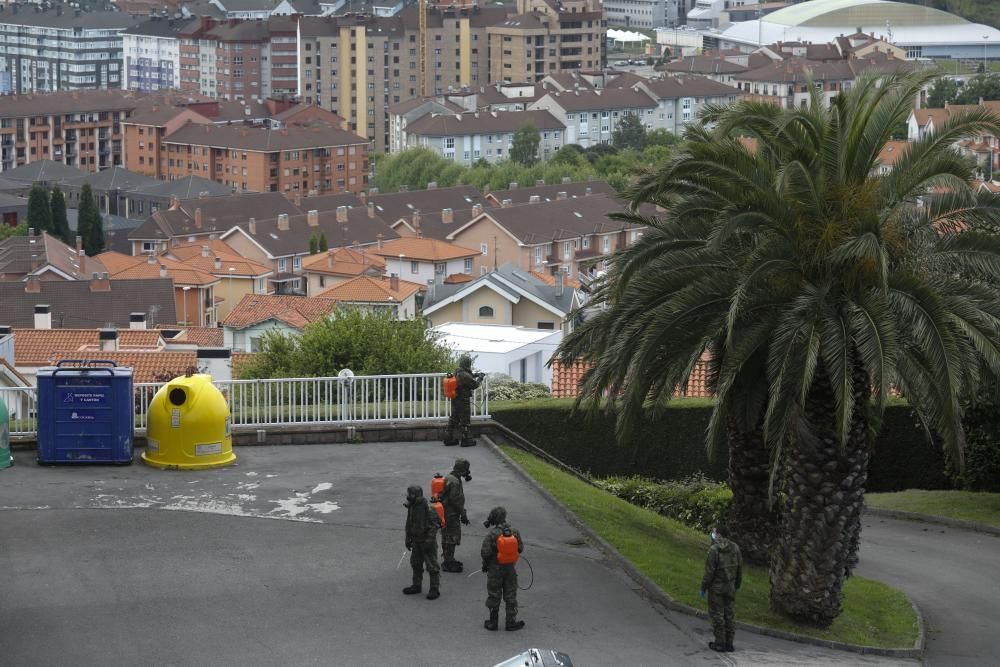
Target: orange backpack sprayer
{"x": 439, "y": 508}
{"x": 507, "y": 549}
{"x": 437, "y": 486}
{"x": 449, "y": 385}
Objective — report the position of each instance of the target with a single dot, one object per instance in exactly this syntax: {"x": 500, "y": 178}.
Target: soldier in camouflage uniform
{"x": 461, "y": 405}
{"x": 453, "y": 499}
{"x": 723, "y": 576}
{"x": 501, "y": 580}
{"x": 422, "y": 524}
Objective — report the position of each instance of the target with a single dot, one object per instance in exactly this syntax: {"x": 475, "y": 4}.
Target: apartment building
{"x": 591, "y": 116}
{"x": 648, "y": 14}
{"x": 44, "y": 50}
{"x": 400, "y": 116}
{"x": 298, "y": 159}
{"x": 680, "y": 99}
{"x": 152, "y": 54}
{"x": 489, "y": 135}
{"x": 77, "y": 128}
{"x": 546, "y": 37}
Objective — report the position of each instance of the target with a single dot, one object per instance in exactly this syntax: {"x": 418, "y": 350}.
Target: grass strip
{"x": 973, "y": 506}
{"x": 673, "y": 556}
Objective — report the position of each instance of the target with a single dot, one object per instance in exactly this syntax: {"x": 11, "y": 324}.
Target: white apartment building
{"x": 152, "y": 55}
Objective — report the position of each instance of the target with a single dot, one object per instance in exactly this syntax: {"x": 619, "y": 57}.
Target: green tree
{"x": 368, "y": 343}
{"x": 525, "y": 147}
{"x": 60, "y": 223}
{"x": 39, "y": 212}
{"x": 7, "y": 231}
{"x": 943, "y": 91}
{"x": 313, "y": 245}
{"x": 629, "y": 133}
{"x": 982, "y": 87}
{"x": 89, "y": 224}
{"x": 814, "y": 285}
{"x": 414, "y": 168}
{"x": 323, "y": 244}
{"x": 661, "y": 137}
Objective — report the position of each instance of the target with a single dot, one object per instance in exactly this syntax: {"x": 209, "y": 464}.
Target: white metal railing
{"x": 295, "y": 401}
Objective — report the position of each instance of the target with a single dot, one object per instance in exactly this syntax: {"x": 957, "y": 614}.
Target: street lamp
{"x": 986, "y": 40}
{"x": 230, "y": 295}
{"x": 187, "y": 288}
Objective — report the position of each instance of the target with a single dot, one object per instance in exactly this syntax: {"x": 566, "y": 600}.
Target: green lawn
{"x": 673, "y": 556}
{"x": 964, "y": 505}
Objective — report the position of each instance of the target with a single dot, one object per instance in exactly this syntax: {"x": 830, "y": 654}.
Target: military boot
{"x": 512, "y": 623}
{"x": 493, "y": 622}
{"x": 412, "y": 590}
{"x": 434, "y": 593}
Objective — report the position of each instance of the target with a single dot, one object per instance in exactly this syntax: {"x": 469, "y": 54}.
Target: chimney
{"x": 99, "y": 283}
{"x": 394, "y": 282}
{"x": 163, "y": 270}
{"x": 416, "y": 222}
{"x": 137, "y": 320}
{"x": 33, "y": 286}
{"x": 512, "y": 186}
{"x": 203, "y": 194}
{"x": 587, "y": 192}
{"x": 560, "y": 283}
{"x": 297, "y": 201}
{"x": 109, "y": 340}
{"x": 477, "y": 209}
{"x": 81, "y": 255}
{"x": 217, "y": 263}
{"x": 561, "y": 195}
{"x": 506, "y": 203}
{"x": 217, "y": 362}
{"x": 540, "y": 182}
{"x": 363, "y": 196}
{"x": 378, "y": 240}
{"x": 432, "y": 185}
{"x": 79, "y": 244}
{"x": 341, "y": 214}
{"x": 566, "y": 179}
{"x": 312, "y": 218}
{"x": 197, "y": 218}
{"x": 204, "y": 251}
{"x": 31, "y": 231}
{"x": 447, "y": 216}
{"x": 252, "y": 226}
{"x": 43, "y": 318}
{"x": 151, "y": 259}
{"x": 283, "y": 222}
{"x": 329, "y": 259}
{"x": 371, "y": 209}
{"x": 534, "y": 199}
{"x": 175, "y": 203}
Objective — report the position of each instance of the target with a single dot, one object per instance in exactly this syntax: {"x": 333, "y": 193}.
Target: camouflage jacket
{"x": 453, "y": 496}
{"x": 422, "y": 522}
{"x": 723, "y": 568}
{"x": 467, "y": 383}
{"x": 489, "y": 549}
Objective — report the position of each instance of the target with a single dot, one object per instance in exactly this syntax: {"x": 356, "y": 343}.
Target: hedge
{"x": 671, "y": 445}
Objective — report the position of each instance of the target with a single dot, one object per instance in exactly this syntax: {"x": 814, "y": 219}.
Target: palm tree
{"x": 815, "y": 283}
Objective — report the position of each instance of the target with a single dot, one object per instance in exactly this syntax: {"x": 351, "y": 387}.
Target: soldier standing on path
{"x": 453, "y": 499}
{"x": 501, "y": 548}
{"x": 723, "y": 576}
{"x": 461, "y": 405}
{"x": 422, "y": 524}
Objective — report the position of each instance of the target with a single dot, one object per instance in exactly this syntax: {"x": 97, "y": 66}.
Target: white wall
{"x": 238, "y": 340}
{"x": 425, "y": 270}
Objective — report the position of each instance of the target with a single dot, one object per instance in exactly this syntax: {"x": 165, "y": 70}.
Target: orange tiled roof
{"x": 429, "y": 250}
{"x": 343, "y": 262}
{"x": 296, "y": 311}
{"x": 39, "y": 347}
{"x": 239, "y": 360}
{"x": 891, "y": 152}
{"x": 141, "y": 267}
{"x": 146, "y": 366}
{"x": 202, "y": 336}
{"x": 191, "y": 249}
{"x": 192, "y": 255}
{"x": 750, "y": 143}
{"x": 550, "y": 279}
{"x": 365, "y": 289}
{"x": 922, "y": 116}
{"x": 457, "y": 278}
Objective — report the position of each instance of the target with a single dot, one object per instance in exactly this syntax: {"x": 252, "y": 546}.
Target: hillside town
{"x": 584, "y": 213}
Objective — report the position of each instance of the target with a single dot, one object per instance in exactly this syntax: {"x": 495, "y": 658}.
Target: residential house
{"x": 45, "y": 257}
{"x": 889, "y": 154}
{"x": 516, "y": 194}
{"x": 424, "y": 260}
{"x": 44, "y": 346}
{"x": 237, "y": 275}
{"x": 400, "y": 206}
{"x": 256, "y": 314}
{"x": 327, "y": 269}
{"x": 983, "y": 149}
{"x": 591, "y": 116}
{"x": 472, "y": 136}
{"x": 194, "y": 289}
{"x": 97, "y": 302}
{"x": 402, "y": 113}
{"x": 380, "y": 294}
{"x": 568, "y": 236}
{"x": 520, "y": 352}
{"x": 680, "y": 99}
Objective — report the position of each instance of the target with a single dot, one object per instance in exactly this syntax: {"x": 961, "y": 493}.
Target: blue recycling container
{"x": 85, "y": 413}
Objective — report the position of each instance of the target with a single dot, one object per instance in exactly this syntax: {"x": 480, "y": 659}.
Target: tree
{"x": 60, "y": 223}
{"x": 89, "y": 224}
{"x": 661, "y": 137}
{"x": 629, "y": 133}
{"x": 313, "y": 245}
{"x": 943, "y": 91}
{"x": 39, "y": 213}
{"x": 597, "y": 151}
{"x": 323, "y": 244}
{"x": 369, "y": 343}
{"x": 814, "y": 285}
{"x": 7, "y": 231}
{"x": 982, "y": 87}
{"x": 525, "y": 147}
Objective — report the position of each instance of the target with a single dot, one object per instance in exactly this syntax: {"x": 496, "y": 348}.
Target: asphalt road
{"x": 290, "y": 558}
{"x": 953, "y": 576}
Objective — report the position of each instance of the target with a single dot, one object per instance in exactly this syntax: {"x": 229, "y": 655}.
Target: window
{"x": 607, "y": 244}
{"x": 485, "y": 311}
{"x": 255, "y": 343}
{"x": 440, "y": 268}
{"x": 586, "y": 242}
{"x": 546, "y": 325}
{"x": 297, "y": 263}
{"x": 282, "y": 265}
{"x": 414, "y": 267}
{"x": 468, "y": 265}
{"x": 484, "y": 249}
{"x": 538, "y": 254}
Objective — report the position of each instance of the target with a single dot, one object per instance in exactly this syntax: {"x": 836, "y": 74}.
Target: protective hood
{"x": 414, "y": 495}
{"x": 498, "y": 516}
{"x": 465, "y": 361}
{"x": 723, "y": 544}
{"x": 462, "y": 469}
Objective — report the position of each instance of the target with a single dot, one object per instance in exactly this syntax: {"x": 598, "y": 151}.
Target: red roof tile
{"x": 39, "y": 347}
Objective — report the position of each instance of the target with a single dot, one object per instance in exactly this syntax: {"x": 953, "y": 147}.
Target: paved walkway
{"x": 125, "y": 566}
{"x": 954, "y": 577}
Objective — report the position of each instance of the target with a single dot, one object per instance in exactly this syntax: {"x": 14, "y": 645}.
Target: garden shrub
{"x": 695, "y": 501}
{"x": 505, "y": 388}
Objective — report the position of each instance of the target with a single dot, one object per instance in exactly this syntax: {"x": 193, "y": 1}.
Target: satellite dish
{"x": 346, "y": 374}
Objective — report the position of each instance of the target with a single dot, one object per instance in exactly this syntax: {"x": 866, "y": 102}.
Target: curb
{"x": 653, "y": 591}
{"x": 932, "y": 519}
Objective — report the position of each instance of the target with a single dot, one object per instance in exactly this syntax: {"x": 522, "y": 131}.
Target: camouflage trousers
{"x": 458, "y": 422}
{"x": 424, "y": 554}
{"x": 501, "y": 583}
{"x": 451, "y": 536}
{"x": 722, "y": 611}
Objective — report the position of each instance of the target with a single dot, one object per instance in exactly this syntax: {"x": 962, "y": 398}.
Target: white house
{"x": 256, "y": 314}
{"x": 518, "y": 352}
{"x": 422, "y": 260}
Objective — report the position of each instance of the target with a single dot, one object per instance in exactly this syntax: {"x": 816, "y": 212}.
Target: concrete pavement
{"x": 122, "y": 566}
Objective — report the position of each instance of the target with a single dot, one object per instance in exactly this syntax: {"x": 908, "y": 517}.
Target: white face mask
{"x": 714, "y": 536}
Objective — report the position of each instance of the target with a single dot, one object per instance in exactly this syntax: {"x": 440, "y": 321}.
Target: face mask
{"x": 468, "y": 478}
{"x": 714, "y": 536}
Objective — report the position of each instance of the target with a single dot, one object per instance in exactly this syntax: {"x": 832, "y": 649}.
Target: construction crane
{"x": 422, "y": 51}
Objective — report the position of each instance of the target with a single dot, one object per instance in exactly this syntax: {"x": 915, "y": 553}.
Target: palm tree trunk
{"x": 820, "y": 529}
{"x": 750, "y": 522}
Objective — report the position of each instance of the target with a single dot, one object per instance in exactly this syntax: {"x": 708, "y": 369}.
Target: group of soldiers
{"x": 500, "y": 550}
